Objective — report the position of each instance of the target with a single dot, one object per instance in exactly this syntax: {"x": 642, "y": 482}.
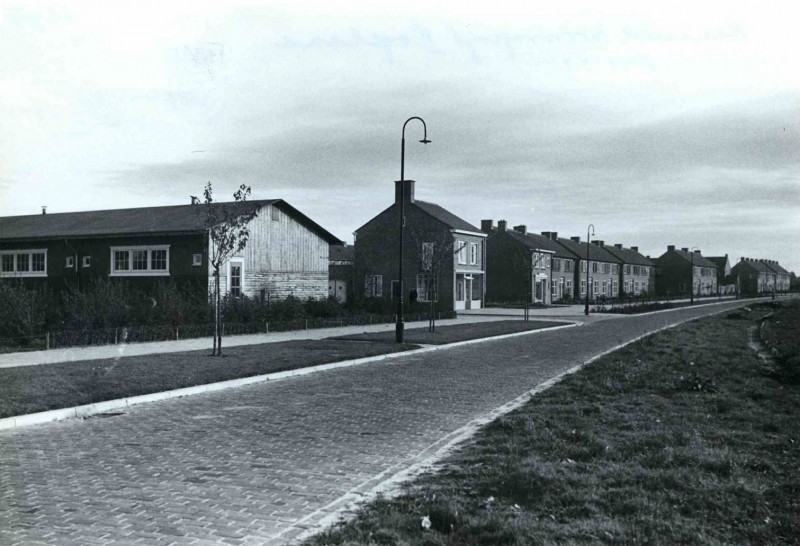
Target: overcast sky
{"x": 676, "y": 124}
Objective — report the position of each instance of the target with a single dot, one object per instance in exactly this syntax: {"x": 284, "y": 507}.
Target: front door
{"x": 468, "y": 293}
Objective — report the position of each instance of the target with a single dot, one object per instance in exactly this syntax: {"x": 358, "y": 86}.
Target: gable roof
{"x": 596, "y": 253}
{"x": 173, "y": 219}
{"x": 720, "y": 261}
{"x": 534, "y": 241}
{"x": 752, "y": 264}
{"x": 697, "y": 259}
{"x": 445, "y": 216}
{"x": 776, "y": 267}
{"x": 628, "y": 255}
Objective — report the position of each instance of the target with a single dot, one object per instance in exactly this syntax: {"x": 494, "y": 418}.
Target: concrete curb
{"x": 386, "y": 483}
{"x": 88, "y": 410}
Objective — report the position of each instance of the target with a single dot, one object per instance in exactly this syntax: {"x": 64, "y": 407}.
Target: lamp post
{"x": 588, "y": 246}
{"x": 691, "y": 277}
{"x": 399, "y": 326}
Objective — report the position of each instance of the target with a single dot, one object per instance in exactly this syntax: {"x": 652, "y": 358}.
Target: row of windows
{"x": 125, "y": 261}
{"x": 636, "y": 269}
{"x": 567, "y": 265}
{"x": 462, "y": 249}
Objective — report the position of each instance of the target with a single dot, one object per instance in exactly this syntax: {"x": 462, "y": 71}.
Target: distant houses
{"x": 446, "y": 259}
{"x": 287, "y": 252}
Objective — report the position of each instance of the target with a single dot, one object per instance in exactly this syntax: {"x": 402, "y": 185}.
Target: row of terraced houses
{"x": 446, "y": 259}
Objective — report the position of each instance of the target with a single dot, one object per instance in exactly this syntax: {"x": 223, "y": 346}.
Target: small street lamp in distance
{"x": 399, "y": 325}
{"x": 588, "y": 246}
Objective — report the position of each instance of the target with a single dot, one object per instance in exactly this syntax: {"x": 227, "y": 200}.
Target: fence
{"x": 165, "y": 332}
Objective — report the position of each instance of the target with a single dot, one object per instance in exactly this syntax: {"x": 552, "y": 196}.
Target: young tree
{"x": 436, "y": 251}
{"x": 226, "y": 226}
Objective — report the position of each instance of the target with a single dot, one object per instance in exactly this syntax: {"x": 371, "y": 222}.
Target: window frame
{"x": 373, "y": 286}
{"x": 473, "y": 254}
{"x": 86, "y": 261}
{"x": 29, "y": 272}
{"x": 424, "y": 281}
{"x": 130, "y": 271}
{"x": 229, "y": 285}
{"x": 197, "y": 259}
{"x": 461, "y": 252}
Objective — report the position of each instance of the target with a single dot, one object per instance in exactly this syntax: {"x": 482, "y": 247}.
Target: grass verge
{"x": 458, "y": 332}
{"x": 681, "y": 438}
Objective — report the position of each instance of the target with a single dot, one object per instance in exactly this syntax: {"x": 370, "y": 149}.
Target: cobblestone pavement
{"x": 244, "y": 466}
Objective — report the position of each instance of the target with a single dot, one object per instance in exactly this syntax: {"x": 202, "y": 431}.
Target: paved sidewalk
{"x": 263, "y": 464}
{"x": 76, "y": 354}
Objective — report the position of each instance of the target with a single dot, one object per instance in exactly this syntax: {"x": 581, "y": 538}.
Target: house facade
{"x": 286, "y": 254}
{"x": 679, "y": 271}
{"x": 599, "y": 274}
{"x": 637, "y": 272}
{"x": 520, "y": 266}
{"x": 443, "y": 255}
{"x": 760, "y": 276}
{"x": 726, "y": 283}
{"x": 783, "y": 278}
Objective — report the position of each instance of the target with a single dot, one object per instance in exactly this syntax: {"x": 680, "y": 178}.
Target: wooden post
{"x": 116, "y": 337}
{"x": 47, "y": 340}
{"x": 177, "y": 334}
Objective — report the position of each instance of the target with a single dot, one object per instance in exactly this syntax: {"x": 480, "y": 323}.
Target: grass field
{"x": 685, "y": 437}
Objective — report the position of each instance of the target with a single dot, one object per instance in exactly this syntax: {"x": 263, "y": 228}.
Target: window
{"x": 594, "y": 287}
{"x": 197, "y": 259}
{"x": 461, "y": 251}
{"x": 614, "y": 269}
{"x": 235, "y": 276}
{"x": 87, "y": 261}
{"x": 568, "y": 288}
{"x": 473, "y": 253}
{"x": 568, "y": 266}
{"x": 426, "y": 288}
{"x": 140, "y": 260}
{"x": 605, "y": 288}
{"x": 644, "y": 270}
{"x": 24, "y": 263}
{"x": 583, "y": 288}
{"x": 628, "y": 269}
{"x": 595, "y": 267}
{"x": 556, "y": 264}
{"x": 373, "y": 286}
{"x": 427, "y": 257}
{"x": 606, "y": 268}
{"x": 553, "y": 288}
{"x": 635, "y": 269}
{"x": 615, "y": 288}
{"x": 540, "y": 260}
{"x": 583, "y": 266}
{"x": 276, "y": 216}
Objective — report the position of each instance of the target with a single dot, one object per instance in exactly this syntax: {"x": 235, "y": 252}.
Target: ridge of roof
{"x": 596, "y": 253}
{"x": 693, "y": 258}
{"x": 535, "y": 241}
{"x": 628, "y": 255}
{"x": 445, "y": 216}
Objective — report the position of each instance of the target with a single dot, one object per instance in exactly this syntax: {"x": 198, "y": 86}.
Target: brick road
{"x": 243, "y": 466}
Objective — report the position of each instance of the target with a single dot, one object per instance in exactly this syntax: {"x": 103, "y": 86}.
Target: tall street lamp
{"x": 588, "y": 246}
{"x": 691, "y": 276}
{"x": 399, "y": 326}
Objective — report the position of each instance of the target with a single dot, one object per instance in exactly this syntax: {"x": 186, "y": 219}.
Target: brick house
{"x": 637, "y": 272}
{"x": 678, "y": 271}
{"x": 443, "y": 255}
{"x": 287, "y": 253}
{"x": 521, "y": 265}
{"x": 602, "y": 271}
{"x": 340, "y": 272}
{"x": 783, "y": 278}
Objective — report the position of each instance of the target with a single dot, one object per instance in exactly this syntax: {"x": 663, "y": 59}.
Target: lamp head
{"x": 425, "y": 141}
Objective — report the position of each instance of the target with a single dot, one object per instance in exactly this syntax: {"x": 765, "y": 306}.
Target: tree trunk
{"x": 216, "y": 313}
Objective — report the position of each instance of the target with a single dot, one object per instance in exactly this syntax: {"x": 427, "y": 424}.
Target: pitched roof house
{"x": 678, "y": 271}
{"x": 443, "y": 255}
{"x": 760, "y": 276}
{"x": 287, "y": 253}
{"x": 600, "y": 273}
{"x": 523, "y": 266}
{"x": 726, "y": 283}
{"x": 340, "y": 271}
{"x": 637, "y": 273}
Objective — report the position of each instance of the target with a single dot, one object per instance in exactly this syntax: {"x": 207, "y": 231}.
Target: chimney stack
{"x": 487, "y": 226}
{"x": 501, "y": 226}
{"x": 522, "y": 228}
{"x": 599, "y": 243}
{"x": 671, "y": 248}
{"x": 576, "y": 239}
{"x": 618, "y": 245}
{"x": 554, "y": 236}
{"x": 408, "y": 190}
{"x": 635, "y": 248}
{"x": 44, "y": 210}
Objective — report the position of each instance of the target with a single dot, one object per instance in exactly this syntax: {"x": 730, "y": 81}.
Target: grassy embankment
{"x": 686, "y": 437}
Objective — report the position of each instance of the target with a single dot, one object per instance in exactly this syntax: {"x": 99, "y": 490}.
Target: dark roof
{"x": 172, "y": 219}
{"x": 628, "y": 255}
{"x": 753, "y": 264}
{"x": 341, "y": 253}
{"x": 535, "y": 241}
{"x": 596, "y": 254}
{"x": 719, "y": 261}
{"x": 776, "y": 267}
{"x": 445, "y": 216}
{"x": 697, "y": 260}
